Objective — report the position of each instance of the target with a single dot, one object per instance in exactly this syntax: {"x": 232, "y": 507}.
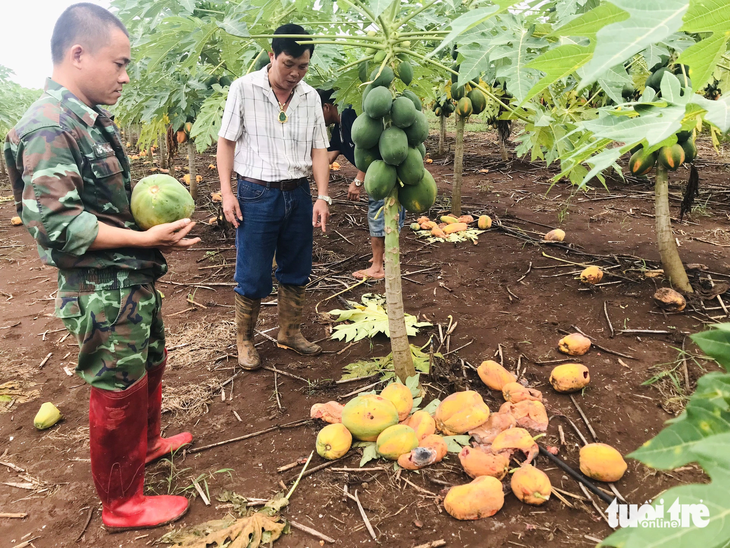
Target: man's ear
{"x": 76, "y": 53}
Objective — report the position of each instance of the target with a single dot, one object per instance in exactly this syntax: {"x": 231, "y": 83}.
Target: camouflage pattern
{"x": 69, "y": 172}
{"x": 119, "y": 331}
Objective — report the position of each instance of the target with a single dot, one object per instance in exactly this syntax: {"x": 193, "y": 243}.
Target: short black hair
{"x": 289, "y": 45}
{"x": 326, "y": 96}
{"x": 83, "y": 23}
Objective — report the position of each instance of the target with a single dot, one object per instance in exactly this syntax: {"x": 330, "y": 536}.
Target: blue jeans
{"x": 376, "y": 219}
{"x": 274, "y": 222}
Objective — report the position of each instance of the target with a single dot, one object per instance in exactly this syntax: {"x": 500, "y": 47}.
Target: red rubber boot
{"x": 158, "y": 446}
{"x": 118, "y": 435}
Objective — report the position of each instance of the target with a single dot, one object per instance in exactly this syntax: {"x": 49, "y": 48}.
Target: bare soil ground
{"x": 504, "y": 291}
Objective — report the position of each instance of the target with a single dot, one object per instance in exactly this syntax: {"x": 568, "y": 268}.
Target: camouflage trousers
{"x": 119, "y": 331}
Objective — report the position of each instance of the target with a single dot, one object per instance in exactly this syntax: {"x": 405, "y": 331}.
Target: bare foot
{"x": 374, "y": 273}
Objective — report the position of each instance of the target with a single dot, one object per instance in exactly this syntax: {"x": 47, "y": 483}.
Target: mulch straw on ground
{"x": 195, "y": 345}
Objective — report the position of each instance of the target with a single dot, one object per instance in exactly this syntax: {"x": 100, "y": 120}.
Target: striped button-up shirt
{"x": 267, "y": 149}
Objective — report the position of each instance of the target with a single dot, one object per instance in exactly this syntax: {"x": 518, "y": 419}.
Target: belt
{"x": 288, "y": 184}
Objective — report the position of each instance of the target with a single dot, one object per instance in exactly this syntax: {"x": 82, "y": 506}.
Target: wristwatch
{"x": 358, "y": 183}
{"x": 326, "y": 199}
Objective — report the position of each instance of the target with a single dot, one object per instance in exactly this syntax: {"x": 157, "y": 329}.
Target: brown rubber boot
{"x": 291, "y": 303}
{"x": 247, "y": 312}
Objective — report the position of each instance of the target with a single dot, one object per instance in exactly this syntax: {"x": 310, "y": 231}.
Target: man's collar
{"x": 87, "y": 114}
{"x": 261, "y": 79}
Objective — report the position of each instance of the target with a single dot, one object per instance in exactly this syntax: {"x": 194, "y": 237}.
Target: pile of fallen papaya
{"x": 418, "y": 438}
{"x": 449, "y": 225}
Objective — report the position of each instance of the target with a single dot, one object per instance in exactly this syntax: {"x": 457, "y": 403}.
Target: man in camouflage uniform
{"x": 72, "y": 187}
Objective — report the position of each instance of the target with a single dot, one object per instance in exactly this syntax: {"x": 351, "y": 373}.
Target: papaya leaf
{"x": 711, "y": 531}
{"x": 455, "y": 443}
{"x": 368, "y": 453}
{"x": 707, "y": 414}
{"x": 707, "y": 16}
{"x": 431, "y": 407}
{"x": 649, "y": 22}
{"x": 465, "y": 22}
{"x": 367, "y": 320}
{"x": 716, "y": 344}
{"x": 718, "y": 112}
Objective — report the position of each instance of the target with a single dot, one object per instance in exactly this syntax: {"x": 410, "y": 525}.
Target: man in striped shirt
{"x": 273, "y": 136}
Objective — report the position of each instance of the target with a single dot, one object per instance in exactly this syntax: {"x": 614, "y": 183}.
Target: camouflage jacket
{"x": 69, "y": 172}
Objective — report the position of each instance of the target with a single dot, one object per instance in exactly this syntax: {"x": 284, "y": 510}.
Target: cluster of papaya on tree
{"x": 671, "y": 157}
{"x": 389, "y": 138}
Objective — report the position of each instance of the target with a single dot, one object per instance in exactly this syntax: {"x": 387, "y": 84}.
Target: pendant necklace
{"x": 283, "y": 118}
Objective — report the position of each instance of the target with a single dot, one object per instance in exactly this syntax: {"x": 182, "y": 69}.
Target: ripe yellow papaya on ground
{"x": 484, "y": 222}
{"x": 481, "y": 498}
{"x": 481, "y": 461}
{"x": 47, "y": 416}
{"x": 368, "y": 415}
{"x": 422, "y": 423}
{"x": 556, "y": 235}
{"x": 333, "y": 441}
{"x": 395, "y": 441}
{"x": 514, "y": 392}
{"x": 591, "y": 275}
{"x": 400, "y": 396}
{"x": 460, "y": 412}
{"x": 494, "y": 375}
{"x": 570, "y": 377}
{"x": 530, "y": 485}
{"x": 574, "y": 344}
{"x": 602, "y": 462}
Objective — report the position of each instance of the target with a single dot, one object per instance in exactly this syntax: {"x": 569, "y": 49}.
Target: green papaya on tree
{"x": 671, "y": 157}
{"x": 366, "y": 131}
{"x": 457, "y": 92}
{"x": 380, "y": 179}
{"x": 417, "y": 132}
{"x": 690, "y": 150}
{"x": 403, "y": 112}
{"x": 385, "y": 78}
{"x": 641, "y": 163}
{"x": 422, "y": 149}
{"x": 464, "y": 108}
{"x": 410, "y": 171}
{"x": 366, "y": 156}
{"x": 377, "y": 103}
{"x": 405, "y": 72}
{"x": 420, "y": 197}
{"x": 478, "y": 101}
{"x": 393, "y": 146}
{"x": 413, "y": 97}
{"x": 262, "y": 60}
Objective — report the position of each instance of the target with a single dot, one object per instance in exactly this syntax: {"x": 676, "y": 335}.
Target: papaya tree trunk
{"x": 503, "y": 148}
{"x": 402, "y": 357}
{"x": 458, "y": 165}
{"x": 162, "y": 151}
{"x": 191, "y": 165}
{"x": 442, "y": 135}
{"x": 672, "y": 263}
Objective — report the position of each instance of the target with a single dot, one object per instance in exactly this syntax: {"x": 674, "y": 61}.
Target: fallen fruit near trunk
{"x": 570, "y": 377}
{"x": 494, "y": 375}
{"x": 422, "y": 423}
{"x": 333, "y": 441}
{"x": 574, "y": 344}
{"x": 555, "y": 235}
{"x": 16, "y": 221}
{"x": 47, "y": 416}
{"x": 482, "y": 461}
{"x": 460, "y": 412}
{"x": 514, "y": 392}
{"x": 591, "y": 275}
{"x": 330, "y": 412}
{"x": 669, "y": 300}
{"x": 484, "y": 222}
{"x": 368, "y": 415}
{"x": 395, "y": 441}
{"x": 602, "y": 462}
{"x": 418, "y": 458}
{"x": 528, "y": 414}
{"x": 455, "y": 227}
{"x": 400, "y": 396}
{"x": 481, "y": 498}
{"x": 530, "y": 485}
{"x": 484, "y": 434}
{"x": 516, "y": 439}
{"x": 437, "y": 443}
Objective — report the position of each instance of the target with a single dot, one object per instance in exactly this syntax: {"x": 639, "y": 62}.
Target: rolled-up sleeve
{"x": 319, "y": 135}
{"x": 51, "y": 207}
{"x": 232, "y": 122}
